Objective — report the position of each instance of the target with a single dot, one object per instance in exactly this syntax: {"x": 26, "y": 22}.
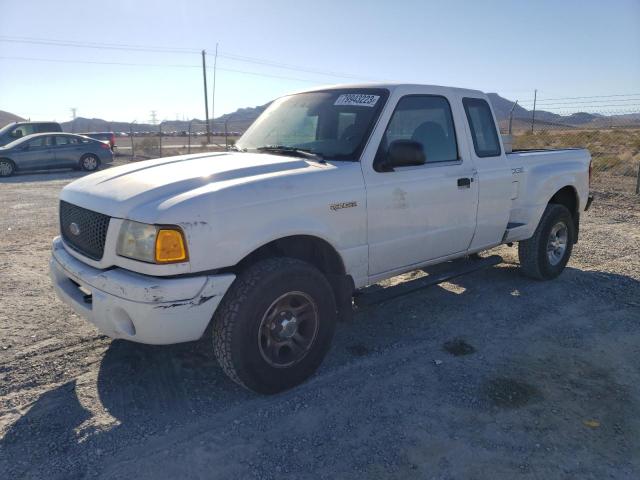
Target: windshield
{"x": 6, "y": 128}
{"x": 15, "y": 143}
{"x": 334, "y": 124}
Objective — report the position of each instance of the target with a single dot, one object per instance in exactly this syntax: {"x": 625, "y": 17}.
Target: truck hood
{"x": 141, "y": 190}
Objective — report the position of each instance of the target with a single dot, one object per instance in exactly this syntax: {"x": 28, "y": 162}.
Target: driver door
{"x": 423, "y": 212}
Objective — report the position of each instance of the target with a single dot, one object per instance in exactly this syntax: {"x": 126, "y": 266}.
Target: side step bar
{"x": 363, "y": 298}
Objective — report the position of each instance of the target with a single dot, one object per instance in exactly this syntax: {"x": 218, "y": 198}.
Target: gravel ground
{"x": 489, "y": 376}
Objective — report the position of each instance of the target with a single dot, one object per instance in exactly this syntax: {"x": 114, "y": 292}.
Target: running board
{"x": 363, "y": 299}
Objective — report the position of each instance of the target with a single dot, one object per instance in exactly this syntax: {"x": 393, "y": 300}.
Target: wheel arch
{"x": 568, "y": 197}
{"x": 316, "y": 251}
{"x": 308, "y": 248}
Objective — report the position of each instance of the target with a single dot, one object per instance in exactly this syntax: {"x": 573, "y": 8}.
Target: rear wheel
{"x": 6, "y": 167}
{"x": 89, "y": 163}
{"x": 274, "y": 325}
{"x": 545, "y": 255}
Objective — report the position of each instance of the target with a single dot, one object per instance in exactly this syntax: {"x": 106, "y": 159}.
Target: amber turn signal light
{"x": 170, "y": 246}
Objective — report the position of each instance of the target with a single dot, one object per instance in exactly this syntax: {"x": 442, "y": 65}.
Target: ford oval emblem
{"x": 74, "y": 229}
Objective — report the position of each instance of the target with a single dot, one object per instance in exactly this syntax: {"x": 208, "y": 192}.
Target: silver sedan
{"x": 53, "y": 150}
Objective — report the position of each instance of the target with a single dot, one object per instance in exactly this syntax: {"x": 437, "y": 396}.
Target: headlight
{"x": 151, "y": 243}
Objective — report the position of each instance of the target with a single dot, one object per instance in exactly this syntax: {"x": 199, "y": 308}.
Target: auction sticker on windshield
{"x": 357, "y": 99}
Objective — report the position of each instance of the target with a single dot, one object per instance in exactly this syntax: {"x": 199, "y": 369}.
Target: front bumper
{"x": 140, "y": 308}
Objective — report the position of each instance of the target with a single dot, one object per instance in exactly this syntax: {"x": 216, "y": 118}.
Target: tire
{"x": 539, "y": 258}
{"x": 7, "y": 167}
{"x": 247, "y": 322}
{"x": 89, "y": 163}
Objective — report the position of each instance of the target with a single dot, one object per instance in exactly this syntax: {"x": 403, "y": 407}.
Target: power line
{"x": 298, "y": 68}
{"x": 96, "y": 45}
{"x": 625, "y": 107}
{"x": 179, "y": 50}
{"x": 594, "y": 96}
{"x": 594, "y": 102}
{"x": 131, "y": 64}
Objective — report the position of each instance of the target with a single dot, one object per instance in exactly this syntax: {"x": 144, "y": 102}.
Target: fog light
{"x": 170, "y": 246}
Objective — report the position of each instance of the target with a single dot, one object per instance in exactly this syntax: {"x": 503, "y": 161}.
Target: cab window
{"x": 47, "y": 127}
{"x": 23, "y": 130}
{"x": 482, "y": 126}
{"x": 425, "y": 119}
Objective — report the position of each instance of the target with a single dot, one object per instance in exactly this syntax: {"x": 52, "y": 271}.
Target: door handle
{"x": 465, "y": 182}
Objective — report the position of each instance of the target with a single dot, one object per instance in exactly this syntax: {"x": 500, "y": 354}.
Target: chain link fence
{"x": 177, "y": 138}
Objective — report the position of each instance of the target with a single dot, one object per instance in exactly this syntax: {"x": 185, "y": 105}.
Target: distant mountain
{"x": 502, "y": 108}
{"x": 242, "y": 118}
{"x": 6, "y": 117}
{"x": 237, "y": 121}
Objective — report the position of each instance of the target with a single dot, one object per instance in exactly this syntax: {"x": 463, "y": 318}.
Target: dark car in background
{"x": 53, "y": 150}
{"x": 103, "y": 136}
{"x": 16, "y": 130}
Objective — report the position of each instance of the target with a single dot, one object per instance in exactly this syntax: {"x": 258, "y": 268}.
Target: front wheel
{"x": 6, "y": 168}
{"x": 89, "y": 163}
{"x": 545, "y": 255}
{"x": 274, "y": 325}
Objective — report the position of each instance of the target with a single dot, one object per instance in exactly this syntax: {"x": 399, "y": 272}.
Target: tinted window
{"x": 23, "y": 130}
{"x": 48, "y": 127}
{"x": 332, "y": 123}
{"x": 483, "y": 128}
{"x": 64, "y": 140}
{"x": 40, "y": 142}
{"x": 427, "y": 120}
{"x": 346, "y": 124}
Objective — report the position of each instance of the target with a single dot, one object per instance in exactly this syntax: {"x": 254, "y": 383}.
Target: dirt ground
{"x": 490, "y": 376}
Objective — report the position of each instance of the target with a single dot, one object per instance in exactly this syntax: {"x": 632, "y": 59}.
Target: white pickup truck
{"x": 328, "y": 191}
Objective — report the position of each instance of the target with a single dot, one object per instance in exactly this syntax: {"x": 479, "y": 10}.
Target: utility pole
{"x": 133, "y": 152}
{"x": 206, "y": 99}
{"x": 533, "y": 116}
{"x": 73, "y": 119}
{"x": 213, "y": 97}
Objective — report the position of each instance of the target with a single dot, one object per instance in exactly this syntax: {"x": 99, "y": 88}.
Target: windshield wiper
{"x": 298, "y": 152}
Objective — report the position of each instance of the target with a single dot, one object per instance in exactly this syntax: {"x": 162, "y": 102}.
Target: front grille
{"x": 89, "y": 230}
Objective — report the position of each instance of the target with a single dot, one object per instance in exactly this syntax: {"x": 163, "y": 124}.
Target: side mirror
{"x": 404, "y": 153}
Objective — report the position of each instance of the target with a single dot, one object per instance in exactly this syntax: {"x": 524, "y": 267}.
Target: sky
{"x": 145, "y": 55}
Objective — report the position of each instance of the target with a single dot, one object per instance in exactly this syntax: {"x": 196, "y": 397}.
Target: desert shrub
{"x": 150, "y": 146}
{"x": 615, "y": 151}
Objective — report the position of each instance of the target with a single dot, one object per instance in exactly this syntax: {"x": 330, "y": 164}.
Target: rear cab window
{"x": 483, "y": 128}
